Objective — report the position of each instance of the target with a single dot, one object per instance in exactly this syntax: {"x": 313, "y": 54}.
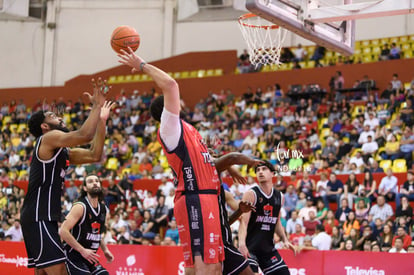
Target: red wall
{"x": 194, "y": 88}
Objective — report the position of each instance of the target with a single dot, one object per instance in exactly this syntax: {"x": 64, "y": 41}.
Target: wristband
{"x": 141, "y": 66}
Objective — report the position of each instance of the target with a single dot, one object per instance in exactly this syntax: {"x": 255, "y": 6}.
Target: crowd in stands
{"x": 302, "y": 139}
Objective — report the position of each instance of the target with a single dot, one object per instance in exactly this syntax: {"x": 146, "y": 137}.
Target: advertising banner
{"x": 168, "y": 260}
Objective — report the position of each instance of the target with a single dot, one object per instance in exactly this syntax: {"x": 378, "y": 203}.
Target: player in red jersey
{"x": 196, "y": 206}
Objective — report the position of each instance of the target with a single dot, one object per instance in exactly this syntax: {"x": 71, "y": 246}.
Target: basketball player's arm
{"x": 244, "y": 221}
{"x": 239, "y": 207}
{"x": 108, "y": 255}
{"x": 225, "y": 162}
{"x": 76, "y": 214}
{"x": 166, "y": 83}
{"x": 94, "y": 154}
{"x": 280, "y": 231}
{"x": 56, "y": 139}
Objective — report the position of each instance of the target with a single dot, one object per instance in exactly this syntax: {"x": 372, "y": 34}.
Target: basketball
{"x": 124, "y": 37}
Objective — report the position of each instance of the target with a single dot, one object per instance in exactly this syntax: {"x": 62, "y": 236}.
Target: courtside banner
{"x": 162, "y": 260}
{"x": 377, "y": 263}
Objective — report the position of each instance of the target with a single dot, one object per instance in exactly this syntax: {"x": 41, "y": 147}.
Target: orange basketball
{"x": 124, "y": 37}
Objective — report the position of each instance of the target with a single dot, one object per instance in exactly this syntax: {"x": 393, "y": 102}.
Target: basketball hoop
{"x": 264, "y": 39}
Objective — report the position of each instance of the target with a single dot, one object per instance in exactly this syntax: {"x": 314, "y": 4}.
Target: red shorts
{"x": 198, "y": 222}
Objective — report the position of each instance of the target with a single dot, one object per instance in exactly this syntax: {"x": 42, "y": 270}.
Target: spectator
{"x": 123, "y": 236}
{"x": 357, "y": 160}
{"x": 281, "y": 186}
{"x": 398, "y": 246}
{"x": 342, "y": 212}
{"x": 407, "y": 146}
{"x": 113, "y": 193}
{"x": 386, "y": 238}
{"x": 351, "y": 222}
{"x": 321, "y": 241}
{"x": 330, "y": 222}
{"x": 337, "y": 240}
{"x": 292, "y": 222}
{"x": 368, "y": 187}
{"x": 402, "y": 234}
{"x": 321, "y": 209}
{"x": 404, "y": 209}
{"x": 161, "y": 216}
{"x": 304, "y": 213}
{"x": 291, "y": 199}
{"x": 297, "y": 236}
{"x": 147, "y": 226}
{"x": 15, "y": 232}
{"x": 392, "y": 149}
{"x": 367, "y": 237}
{"x": 322, "y": 188}
{"x": 350, "y": 189}
{"x": 385, "y": 52}
{"x": 150, "y": 202}
{"x": 362, "y": 206}
{"x": 381, "y": 210}
{"x": 310, "y": 225}
{"x": 300, "y": 53}
{"x": 388, "y": 186}
{"x": 363, "y": 136}
{"x": 395, "y": 51}
{"x": 72, "y": 191}
{"x": 335, "y": 189}
{"x": 369, "y": 149}
{"x": 172, "y": 232}
{"x": 136, "y": 234}
{"x": 349, "y": 245}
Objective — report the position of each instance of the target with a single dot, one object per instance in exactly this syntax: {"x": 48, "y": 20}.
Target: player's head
{"x": 92, "y": 186}
{"x": 156, "y": 107}
{"x": 42, "y": 122}
{"x": 265, "y": 171}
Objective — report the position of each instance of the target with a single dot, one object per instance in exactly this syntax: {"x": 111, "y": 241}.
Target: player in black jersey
{"x": 41, "y": 210}
{"x": 83, "y": 228}
{"x": 234, "y": 262}
{"x": 257, "y": 228}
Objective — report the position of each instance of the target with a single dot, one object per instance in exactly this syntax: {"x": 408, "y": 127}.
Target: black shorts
{"x": 271, "y": 263}
{"x": 77, "y": 265}
{"x": 234, "y": 262}
{"x": 43, "y": 244}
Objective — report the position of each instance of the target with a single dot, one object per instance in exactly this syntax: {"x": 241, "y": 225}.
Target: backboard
{"x": 329, "y": 23}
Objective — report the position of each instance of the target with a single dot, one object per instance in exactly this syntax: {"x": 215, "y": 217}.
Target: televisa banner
{"x": 168, "y": 260}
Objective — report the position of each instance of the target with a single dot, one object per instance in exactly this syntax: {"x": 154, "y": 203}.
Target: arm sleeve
{"x": 170, "y": 129}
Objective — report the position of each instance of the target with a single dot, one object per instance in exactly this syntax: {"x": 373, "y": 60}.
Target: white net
{"x": 264, "y": 39}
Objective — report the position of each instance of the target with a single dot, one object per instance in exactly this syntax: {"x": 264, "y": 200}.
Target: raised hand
{"x": 131, "y": 59}
{"x": 236, "y": 175}
{"x": 106, "y": 109}
{"x": 246, "y": 206}
{"x": 100, "y": 89}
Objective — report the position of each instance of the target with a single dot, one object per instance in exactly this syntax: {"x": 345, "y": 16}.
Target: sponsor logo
{"x": 189, "y": 178}
{"x": 62, "y": 173}
{"x": 207, "y": 157}
{"x": 297, "y": 271}
{"x": 181, "y": 270}
{"x": 197, "y": 242}
{"x": 186, "y": 255}
{"x": 211, "y": 216}
{"x": 266, "y": 219}
{"x": 93, "y": 237}
{"x": 350, "y": 270}
{"x": 194, "y": 218}
{"x": 212, "y": 253}
{"x": 211, "y": 237}
{"x": 268, "y": 210}
{"x": 96, "y": 227}
{"x": 129, "y": 270}
{"x": 18, "y": 261}
{"x": 131, "y": 260}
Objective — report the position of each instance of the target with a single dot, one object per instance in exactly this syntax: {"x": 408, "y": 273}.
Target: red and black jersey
{"x": 191, "y": 163}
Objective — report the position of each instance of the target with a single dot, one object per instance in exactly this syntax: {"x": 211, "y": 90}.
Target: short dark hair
{"x": 156, "y": 107}
{"x": 267, "y": 164}
{"x": 320, "y": 228}
{"x": 34, "y": 123}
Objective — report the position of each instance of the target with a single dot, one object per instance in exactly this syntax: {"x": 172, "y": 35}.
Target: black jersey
{"x": 46, "y": 182}
{"x": 87, "y": 231}
{"x": 262, "y": 223}
{"x": 224, "y": 220}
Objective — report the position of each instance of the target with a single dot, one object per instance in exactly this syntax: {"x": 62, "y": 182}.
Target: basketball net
{"x": 264, "y": 39}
